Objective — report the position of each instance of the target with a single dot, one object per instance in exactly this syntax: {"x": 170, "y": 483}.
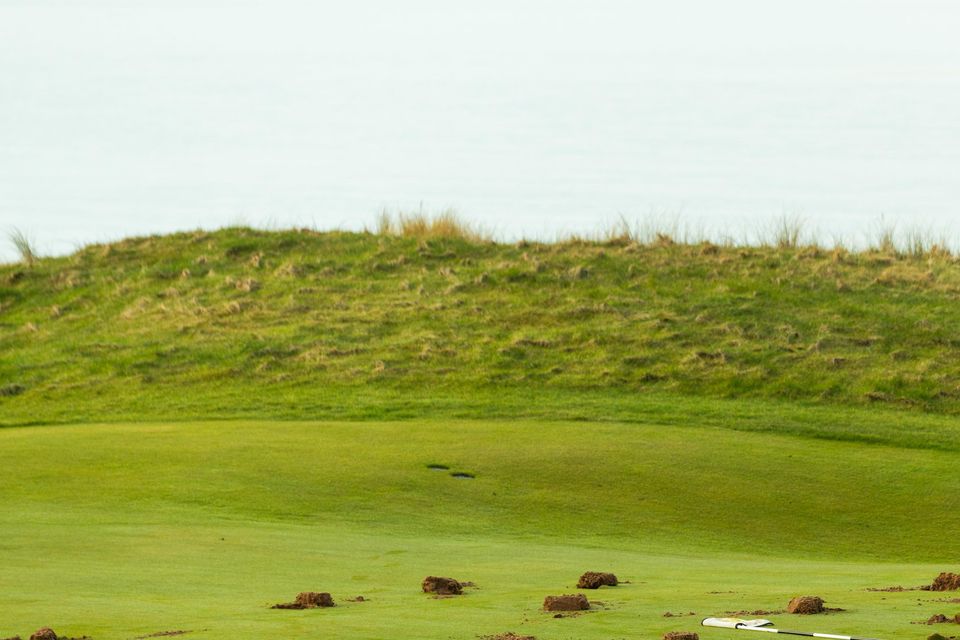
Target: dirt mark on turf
{"x": 596, "y": 579}
{"x": 939, "y": 618}
{"x": 307, "y": 600}
{"x": 570, "y": 602}
{"x": 442, "y": 586}
{"x": 946, "y": 581}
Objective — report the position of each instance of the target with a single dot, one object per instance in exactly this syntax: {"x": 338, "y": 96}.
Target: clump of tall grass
{"x": 884, "y": 240}
{"x": 910, "y": 243}
{"x": 657, "y": 230}
{"x": 447, "y": 225}
{"x": 23, "y": 245}
{"x": 787, "y": 232}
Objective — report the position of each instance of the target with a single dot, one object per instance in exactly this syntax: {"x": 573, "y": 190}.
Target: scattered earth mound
{"x": 163, "y": 634}
{"x": 442, "y": 586}
{"x": 681, "y": 635}
{"x": 596, "y": 579}
{"x": 806, "y": 605}
{"x": 13, "y": 638}
{"x": 571, "y": 602}
{"x": 895, "y": 589}
{"x": 670, "y": 614}
{"x": 509, "y": 635}
{"x": 946, "y": 581}
{"x": 942, "y": 619}
{"x": 357, "y": 599}
{"x": 755, "y": 612}
{"x": 937, "y": 636}
{"x": 307, "y": 600}
{"x": 45, "y": 633}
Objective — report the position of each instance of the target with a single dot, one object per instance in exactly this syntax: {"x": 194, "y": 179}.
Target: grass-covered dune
{"x": 301, "y": 324}
{"x": 119, "y": 531}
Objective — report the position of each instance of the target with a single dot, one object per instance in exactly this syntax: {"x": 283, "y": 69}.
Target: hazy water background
{"x": 531, "y": 117}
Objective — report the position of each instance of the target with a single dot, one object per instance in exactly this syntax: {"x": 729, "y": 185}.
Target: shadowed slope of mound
{"x": 678, "y": 488}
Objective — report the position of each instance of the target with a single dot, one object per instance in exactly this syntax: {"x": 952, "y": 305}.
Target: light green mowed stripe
{"x": 122, "y": 530}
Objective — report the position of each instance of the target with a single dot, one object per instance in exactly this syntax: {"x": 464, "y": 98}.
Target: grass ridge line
{"x": 299, "y": 323}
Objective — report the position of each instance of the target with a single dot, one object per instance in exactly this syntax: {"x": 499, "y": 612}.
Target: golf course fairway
{"x": 118, "y": 531}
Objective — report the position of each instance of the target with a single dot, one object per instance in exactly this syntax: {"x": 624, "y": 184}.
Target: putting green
{"x": 118, "y": 531}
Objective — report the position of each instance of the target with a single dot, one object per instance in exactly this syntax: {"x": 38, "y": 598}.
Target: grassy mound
{"x": 298, "y": 324}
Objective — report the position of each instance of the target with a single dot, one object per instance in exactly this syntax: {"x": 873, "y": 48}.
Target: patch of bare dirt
{"x": 570, "y": 602}
{"x": 46, "y": 633}
{"x": 670, "y": 614}
{"x": 937, "y": 636}
{"x": 442, "y": 586}
{"x": 163, "y": 634}
{"x": 755, "y": 612}
{"x": 596, "y": 579}
{"x": 307, "y": 600}
{"x": 357, "y": 599}
{"x": 806, "y": 605}
{"x": 946, "y": 581}
{"x": 896, "y": 589}
{"x": 509, "y": 635}
{"x": 939, "y": 618}
{"x": 681, "y": 635}
{"x": 13, "y": 638}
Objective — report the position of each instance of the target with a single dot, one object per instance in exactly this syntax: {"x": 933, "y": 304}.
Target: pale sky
{"x": 540, "y": 117}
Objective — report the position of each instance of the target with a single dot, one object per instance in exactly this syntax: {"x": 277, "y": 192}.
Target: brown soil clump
{"x": 573, "y": 602}
{"x": 896, "y": 589}
{"x": 12, "y": 638}
{"x": 681, "y": 635}
{"x": 670, "y": 614}
{"x": 307, "y": 600}
{"x": 442, "y": 586}
{"x": 756, "y": 612}
{"x": 806, "y": 605}
{"x": 942, "y": 619}
{"x": 596, "y": 579}
{"x": 46, "y": 633}
{"x": 357, "y": 599}
{"x": 163, "y": 634}
{"x": 509, "y": 635}
{"x": 946, "y": 581}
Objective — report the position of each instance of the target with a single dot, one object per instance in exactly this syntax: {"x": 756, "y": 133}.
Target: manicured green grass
{"x": 724, "y": 427}
{"x": 121, "y": 530}
{"x": 199, "y": 325}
